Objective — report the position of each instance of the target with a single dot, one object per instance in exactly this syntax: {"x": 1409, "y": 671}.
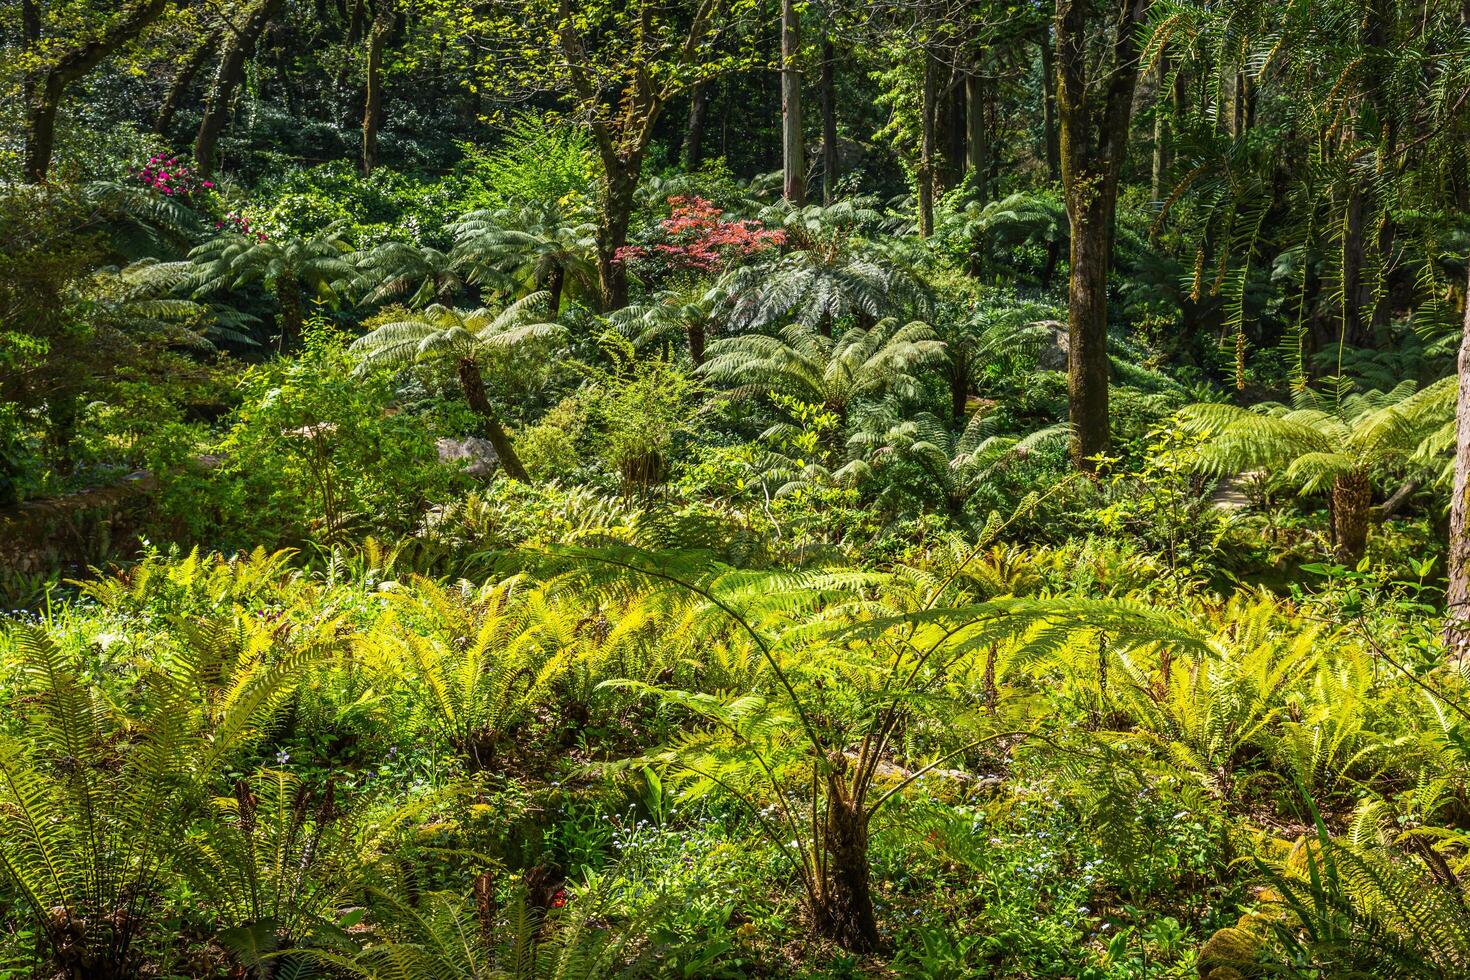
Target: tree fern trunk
{"x": 473, "y": 385}
{"x": 1352, "y": 499}
{"x": 695, "y": 332}
{"x": 555, "y": 282}
{"x": 845, "y": 901}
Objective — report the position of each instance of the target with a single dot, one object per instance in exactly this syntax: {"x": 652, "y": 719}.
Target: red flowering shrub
{"x": 697, "y": 238}
{"x": 166, "y": 175}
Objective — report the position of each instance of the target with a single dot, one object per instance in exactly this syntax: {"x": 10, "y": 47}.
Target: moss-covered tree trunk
{"x": 977, "y": 145}
{"x": 372, "y": 109}
{"x": 1097, "y": 71}
{"x": 924, "y": 173}
{"x": 793, "y": 146}
{"x": 45, "y": 85}
{"x": 183, "y": 80}
{"x": 231, "y": 71}
{"x": 473, "y": 385}
{"x": 612, "y": 230}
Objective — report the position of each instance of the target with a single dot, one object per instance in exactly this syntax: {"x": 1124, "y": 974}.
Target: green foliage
{"x": 314, "y": 451}
{"x": 539, "y": 161}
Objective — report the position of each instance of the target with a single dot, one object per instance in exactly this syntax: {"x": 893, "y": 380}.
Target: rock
{"x": 1232, "y": 493}
{"x": 478, "y": 455}
{"x": 1054, "y": 349}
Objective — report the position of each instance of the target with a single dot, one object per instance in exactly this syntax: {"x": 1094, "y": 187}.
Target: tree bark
{"x": 1457, "y": 606}
{"x": 976, "y": 145}
{"x": 1094, "y": 106}
{"x": 696, "y": 334}
{"x": 183, "y": 79}
{"x": 1352, "y": 499}
{"x": 959, "y": 382}
{"x": 693, "y": 149}
{"x": 46, "y": 86}
{"x": 845, "y": 902}
{"x": 831, "y": 163}
{"x": 793, "y": 146}
{"x": 555, "y": 283}
{"x": 957, "y": 132}
{"x": 231, "y": 71}
{"x": 612, "y": 229}
{"x": 473, "y": 385}
{"x": 1050, "y": 133}
{"x": 1161, "y": 133}
{"x": 372, "y": 109}
{"x": 924, "y": 176}
{"x": 288, "y": 296}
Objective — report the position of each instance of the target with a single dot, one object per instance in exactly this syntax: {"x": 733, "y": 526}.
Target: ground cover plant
{"x": 516, "y": 489}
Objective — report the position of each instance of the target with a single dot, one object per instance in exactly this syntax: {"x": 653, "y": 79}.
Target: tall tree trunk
{"x": 976, "y": 144}
{"x": 793, "y": 146}
{"x": 1050, "y": 133}
{"x": 1087, "y": 328}
{"x": 928, "y": 109}
{"x": 372, "y": 108}
{"x": 1352, "y": 502}
{"x": 473, "y": 385}
{"x": 45, "y": 86}
{"x": 183, "y": 79}
{"x": 612, "y": 229}
{"x": 831, "y": 163}
{"x": 1094, "y": 106}
{"x": 355, "y": 25}
{"x": 693, "y": 150}
{"x": 1457, "y": 606}
{"x": 1161, "y": 132}
{"x": 231, "y": 71}
{"x": 957, "y": 132}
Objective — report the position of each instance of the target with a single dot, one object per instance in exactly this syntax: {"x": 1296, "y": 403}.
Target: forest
{"x": 595, "y": 489}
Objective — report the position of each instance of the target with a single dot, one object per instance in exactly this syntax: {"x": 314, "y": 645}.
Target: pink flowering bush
{"x": 697, "y": 238}
{"x": 167, "y": 176}
{"x": 234, "y": 221}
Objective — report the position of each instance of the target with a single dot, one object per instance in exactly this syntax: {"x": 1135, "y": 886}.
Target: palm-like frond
{"x": 861, "y": 364}
{"x": 443, "y": 332}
